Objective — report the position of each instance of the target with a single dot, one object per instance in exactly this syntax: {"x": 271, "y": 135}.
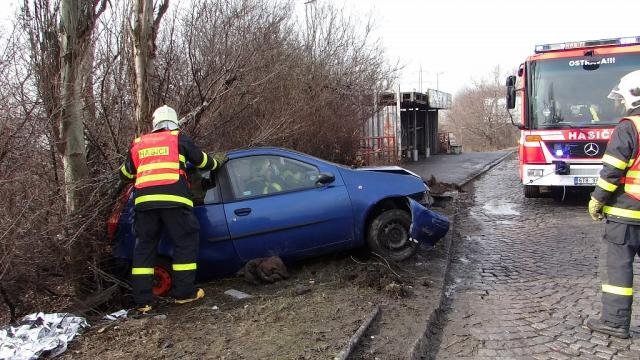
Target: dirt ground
{"x": 279, "y": 323}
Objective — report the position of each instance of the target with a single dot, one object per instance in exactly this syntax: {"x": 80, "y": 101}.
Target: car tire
{"x": 531, "y": 191}
{"x": 162, "y": 277}
{"x": 389, "y": 235}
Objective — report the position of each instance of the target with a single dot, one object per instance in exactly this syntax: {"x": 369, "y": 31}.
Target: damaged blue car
{"x": 278, "y": 202}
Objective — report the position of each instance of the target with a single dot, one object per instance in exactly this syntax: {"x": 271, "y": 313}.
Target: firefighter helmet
{"x": 165, "y": 118}
{"x": 627, "y": 91}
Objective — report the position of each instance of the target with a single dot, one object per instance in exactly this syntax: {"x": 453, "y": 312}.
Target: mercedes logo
{"x": 591, "y": 149}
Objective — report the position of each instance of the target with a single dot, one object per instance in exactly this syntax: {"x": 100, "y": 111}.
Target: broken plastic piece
{"x": 236, "y": 294}
{"x": 120, "y": 314}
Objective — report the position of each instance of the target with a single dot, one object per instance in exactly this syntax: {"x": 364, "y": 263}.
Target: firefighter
{"x": 157, "y": 164}
{"x": 617, "y": 199}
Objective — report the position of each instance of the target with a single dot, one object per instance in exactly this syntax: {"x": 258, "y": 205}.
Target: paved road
{"x": 456, "y": 169}
{"x": 524, "y": 279}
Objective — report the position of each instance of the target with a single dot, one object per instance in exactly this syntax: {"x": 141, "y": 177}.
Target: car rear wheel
{"x": 389, "y": 235}
{"x": 162, "y": 280}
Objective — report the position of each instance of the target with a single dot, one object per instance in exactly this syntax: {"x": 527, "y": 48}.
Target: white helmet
{"x": 628, "y": 90}
{"x": 165, "y": 118}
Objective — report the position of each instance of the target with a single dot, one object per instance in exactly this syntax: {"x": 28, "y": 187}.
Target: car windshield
{"x": 572, "y": 92}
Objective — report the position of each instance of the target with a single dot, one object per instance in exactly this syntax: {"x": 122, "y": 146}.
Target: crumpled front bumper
{"x": 427, "y": 226}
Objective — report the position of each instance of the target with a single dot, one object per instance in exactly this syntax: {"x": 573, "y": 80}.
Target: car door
{"x": 278, "y": 208}
{"x": 216, "y": 253}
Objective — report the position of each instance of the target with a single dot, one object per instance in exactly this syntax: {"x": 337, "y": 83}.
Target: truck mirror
{"x": 511, "y": 92}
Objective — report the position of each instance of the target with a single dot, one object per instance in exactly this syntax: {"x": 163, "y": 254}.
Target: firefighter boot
{"x": 197, "y": 296}
{"x": 600, "y": 326}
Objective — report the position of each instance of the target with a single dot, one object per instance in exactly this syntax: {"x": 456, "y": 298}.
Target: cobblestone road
{"x": 524, "y": 279}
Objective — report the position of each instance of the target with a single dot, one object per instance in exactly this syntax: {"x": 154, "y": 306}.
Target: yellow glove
{"x": 595, "y": 209}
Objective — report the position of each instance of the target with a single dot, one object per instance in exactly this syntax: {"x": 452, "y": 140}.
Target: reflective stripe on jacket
{"x": 151, "y": 194}
{"x": 156, "y": 158}
{"x": 631, "y": 180}
{"x": 617, "y": 186}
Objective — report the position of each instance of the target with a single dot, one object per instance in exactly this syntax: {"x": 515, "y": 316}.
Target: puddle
{"x": 494, "y": 207}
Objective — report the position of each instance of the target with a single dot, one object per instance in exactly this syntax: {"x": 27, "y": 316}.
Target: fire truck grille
{"x": 577, "y": 149}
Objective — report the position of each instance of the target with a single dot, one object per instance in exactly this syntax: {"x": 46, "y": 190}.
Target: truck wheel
{"x": 389, "y": 235}
{"x": 531, "y": 191}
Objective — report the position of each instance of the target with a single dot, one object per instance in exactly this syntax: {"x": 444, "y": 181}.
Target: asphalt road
{"x": 456, "y": 169}
{"x": 523, "y": 279}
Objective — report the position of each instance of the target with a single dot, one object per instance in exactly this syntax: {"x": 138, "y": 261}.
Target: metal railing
{"x": 377, "y": 150}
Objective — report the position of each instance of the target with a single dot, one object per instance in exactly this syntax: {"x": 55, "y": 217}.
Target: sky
{"x": 457, "y": 41}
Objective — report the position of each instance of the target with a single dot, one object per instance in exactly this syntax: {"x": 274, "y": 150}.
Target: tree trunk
{"x": 72, "y": 142}
{"x": 74, "y": 50}
{"x": 144, "y": 32}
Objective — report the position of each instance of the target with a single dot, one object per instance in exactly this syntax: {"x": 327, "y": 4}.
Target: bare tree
{"x": 73, "y": 73}
{"x": 62, "y": 61}
{"x": 144, "y": 31}
{"x": 77, "y": 20}
{"x": 479, "y": 117}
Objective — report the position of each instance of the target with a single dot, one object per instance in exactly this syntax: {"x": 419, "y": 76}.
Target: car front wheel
{"x": 389, "y": 235}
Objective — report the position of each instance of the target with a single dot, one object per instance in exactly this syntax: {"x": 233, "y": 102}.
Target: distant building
{"x": 405, "y": 127}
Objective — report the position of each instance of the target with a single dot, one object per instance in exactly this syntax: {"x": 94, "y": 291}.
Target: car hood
{"x": 389, "y": 169}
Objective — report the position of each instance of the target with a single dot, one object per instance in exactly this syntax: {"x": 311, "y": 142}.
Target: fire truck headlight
{"x": 535, "y": 172}
{"x": 559, "y": 153}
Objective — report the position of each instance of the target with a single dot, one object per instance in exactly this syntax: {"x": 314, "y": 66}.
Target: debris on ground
{"x": 302, "y": 289}
{"x": 397, "y": 290}
{"x": 237, "y": 294}
{"x": 40, "y": 334}
{"x": 120, "y": 314}
{"x": 264, "y": 270}
{"x": 438, "y": 188}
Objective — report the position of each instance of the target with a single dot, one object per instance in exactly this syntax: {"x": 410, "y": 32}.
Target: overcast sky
{"x": 463, "y": 40}
{"x": 466, "y": 39}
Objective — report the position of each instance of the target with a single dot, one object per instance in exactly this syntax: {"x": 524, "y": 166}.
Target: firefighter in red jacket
{"x": 617, "y": 199}
{"x": 157, "y": 164}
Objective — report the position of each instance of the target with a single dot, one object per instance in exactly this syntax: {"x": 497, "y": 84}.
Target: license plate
{"x": 585, "y": 180}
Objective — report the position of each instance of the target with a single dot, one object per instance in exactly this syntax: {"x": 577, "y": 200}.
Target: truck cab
{"x": 566, "y": 117}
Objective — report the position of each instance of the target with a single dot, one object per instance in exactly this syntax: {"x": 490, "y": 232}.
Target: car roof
{"x": 267, "y": 150}
{"x": 272, "y": 150}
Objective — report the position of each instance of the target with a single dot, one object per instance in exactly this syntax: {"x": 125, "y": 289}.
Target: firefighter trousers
{"x": 181, "y": 225}
{"x": 620, "y": 245}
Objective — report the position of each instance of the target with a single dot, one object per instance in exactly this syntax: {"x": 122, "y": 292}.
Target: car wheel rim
{"x": 395, "y": 236}
{"x": 161, "y": 281}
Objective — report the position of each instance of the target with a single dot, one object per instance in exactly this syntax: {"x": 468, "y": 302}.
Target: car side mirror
{"x": 325, "y": 178}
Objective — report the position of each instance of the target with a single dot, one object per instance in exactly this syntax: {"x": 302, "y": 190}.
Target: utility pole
{"x": 438, "y": 79}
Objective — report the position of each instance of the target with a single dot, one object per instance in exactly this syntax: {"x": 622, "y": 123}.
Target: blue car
{"x": 273, "y": 201}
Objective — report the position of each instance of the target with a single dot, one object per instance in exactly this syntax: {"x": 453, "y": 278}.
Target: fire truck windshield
{"x": 572, "y": 92}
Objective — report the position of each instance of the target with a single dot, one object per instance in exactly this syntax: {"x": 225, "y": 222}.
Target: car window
{"x": 268, "y": 174}
{"x": 203, "y": 189}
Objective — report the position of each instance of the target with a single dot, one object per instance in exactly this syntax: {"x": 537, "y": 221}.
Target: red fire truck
{"x": 566, "y": 118}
